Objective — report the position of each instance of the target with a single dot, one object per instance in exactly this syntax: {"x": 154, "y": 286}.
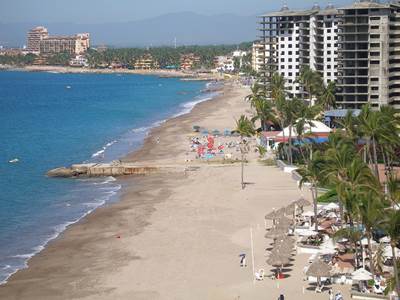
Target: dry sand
{"x": 172, "y": 236}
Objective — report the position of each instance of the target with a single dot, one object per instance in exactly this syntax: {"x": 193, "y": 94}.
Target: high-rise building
{"x": 35, "y": 35}
{"x": 369, "y": 61}
{"x": 40, "y": 42}
{"x": 296, "y": 38}
{"x": 75, "y": 45}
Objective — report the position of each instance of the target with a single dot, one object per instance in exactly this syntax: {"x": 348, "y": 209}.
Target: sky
{"x": 105, "y": 11}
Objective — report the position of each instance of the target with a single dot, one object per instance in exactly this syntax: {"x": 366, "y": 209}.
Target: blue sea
{"x": 50, "y": 120}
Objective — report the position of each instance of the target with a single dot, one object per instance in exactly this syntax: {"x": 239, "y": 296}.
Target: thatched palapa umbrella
{"x": 290, "y": 209}
{"x": 275, "y": 233}
{"x": 273, "y": 215}
{"x": 302, "y": 202}
{"x": 319, "y": 269}
{"x": 278, "y": 260}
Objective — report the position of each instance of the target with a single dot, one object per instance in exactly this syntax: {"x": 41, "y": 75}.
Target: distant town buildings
{"x": 189, "y": 61}
{"x": 146, "y": 62}
{"x": 40, "y": 42}
{"x": 79, "y": 61}
{"x": 224, "y": 63}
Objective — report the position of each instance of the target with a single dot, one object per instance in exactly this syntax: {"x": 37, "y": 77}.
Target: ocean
{"x": 50, "y": 120}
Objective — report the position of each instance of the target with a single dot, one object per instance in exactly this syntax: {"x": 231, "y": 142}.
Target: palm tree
{"x": 370, "y": 212}
{"x": 391, "y": 226}
{"x": 328, "y": 96}
{"x": 349, "y": 124}
{"x": 311, "y": 82}
{"x": 353, "y": 235}
{"x": 276, "y": 86}
{"x": 246, "y": 129}
{"x": 264, "y": 112}
{"x": 311, "y": 173}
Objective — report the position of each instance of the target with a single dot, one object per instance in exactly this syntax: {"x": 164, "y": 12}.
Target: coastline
{"x": 77, "y": 70}
{"x": 175, "y": 235}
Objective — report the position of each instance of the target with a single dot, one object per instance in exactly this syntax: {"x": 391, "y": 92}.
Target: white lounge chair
{"x": 259, "y": 275}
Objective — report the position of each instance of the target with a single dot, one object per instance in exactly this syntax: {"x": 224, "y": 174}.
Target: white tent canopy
{"x": 331, "y": 206}
{"x": 361, "y": 274}
{"x": 318, "y": 127}
{"x": 384, "y": 240}
{"x": 387, "y": 252}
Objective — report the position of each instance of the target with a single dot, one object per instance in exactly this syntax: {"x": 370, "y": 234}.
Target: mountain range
{"x": 187, "y": 27}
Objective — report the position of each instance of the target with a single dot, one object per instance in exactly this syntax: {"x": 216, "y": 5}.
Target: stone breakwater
{"x": 101, "y": 169}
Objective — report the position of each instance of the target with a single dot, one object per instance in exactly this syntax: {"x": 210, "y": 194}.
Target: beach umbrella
{"x": 387, "y": 251}
{"x": 303, "y": 202}
{"x": 307, "y": 232}
{"x": 331, "y": 206}
{"x": 289, "y": 210}
{"x": 361, "y": 274}
{"x": 308, "y": 213}
{"x": 284, "y": 220}
{"x": 332, "y": 215}
{"x": 384, "y": 240}
{"x": 275, "y": 214}
{"x": 278, "y": 259}
{"x": 275, "y": 233}
{"x": 319, "y": 269}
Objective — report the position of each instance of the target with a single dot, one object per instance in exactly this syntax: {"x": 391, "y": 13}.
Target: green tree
{"x": 327, "y": 99}
{"x": 311, "y": 173}
{"x": 245, "y": 128}
{"x": 391, "y": 226}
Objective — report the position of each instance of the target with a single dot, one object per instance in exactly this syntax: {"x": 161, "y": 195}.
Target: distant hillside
{"x": 188, "y": 28}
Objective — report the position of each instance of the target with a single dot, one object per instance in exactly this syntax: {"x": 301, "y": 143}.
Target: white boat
{"x": 13, "y": 161}
{"x": 68, "y": 87}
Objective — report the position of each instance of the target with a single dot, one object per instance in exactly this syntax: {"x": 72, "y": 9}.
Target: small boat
{"x": 13, "y": 161}
{"x": 68, "y": 87}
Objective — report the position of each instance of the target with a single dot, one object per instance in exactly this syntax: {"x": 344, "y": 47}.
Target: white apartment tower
{"x": 300, "y": 37}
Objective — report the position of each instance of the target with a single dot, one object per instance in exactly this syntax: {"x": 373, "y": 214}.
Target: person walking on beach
{"x": 281, "y": 297}
{"x": 242, "y": 260}
{"x": 330, "y": 293}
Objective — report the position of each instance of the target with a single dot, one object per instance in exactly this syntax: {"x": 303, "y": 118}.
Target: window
{"x": 290, "y": 45}
{"x": 375, "y": 18}
{"x": 297, "y": 73}
{"x": 328, "y": 59}
{"x": 297, "y": 46}
{"x": 290, "y": 38}
{"x": 328, "y": 66}
{"x": 290, "y": 66}
{"x": 290, "y": 52}
{"x": 297, "y": 31}
{"x": 335, "y": 38}
{"x": 374, "y": 36}
{"x": 282, "y": 38}
{"x": 374, "y": 88}
{"x": 329, "y": 38}
{"x": 290, "y": 60}
{"x": 374, "y": 44}
{"x": 375, "y": 27}
{"x": 328, "y": 30}
{"x": 328, "y": 52}
{"x": 374, "y": 79}
{"x": 374, "y": 62}
{"x": 290, "y": 74}
{"x": 282, "y": 66}
{"x": 297, "y": 52}
{"x": 328, "y": 74}
{"x": 297, "y": 38}
{"x": 374, "y": 96}
{"x": 282, "y": 52}
{"x": 297, "y": 59}
{"x": 282, "y": 60}
{"x": 282, "y": 32}
{"x": 329, "y": 45}
{"x": 282, "y": 74}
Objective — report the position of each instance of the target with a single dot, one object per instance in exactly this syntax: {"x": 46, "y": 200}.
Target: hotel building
{"x": 35, "y": 35}
{"x": 40, "y": 42}
{"x": 295, "y": 38}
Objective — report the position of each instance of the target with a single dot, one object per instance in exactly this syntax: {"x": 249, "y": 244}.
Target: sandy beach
{"x": 176, "y": 235}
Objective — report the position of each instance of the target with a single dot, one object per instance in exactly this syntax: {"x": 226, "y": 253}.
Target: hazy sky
{"x": 100, "y": 11}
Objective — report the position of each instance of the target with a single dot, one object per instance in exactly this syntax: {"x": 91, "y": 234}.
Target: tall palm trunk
{"x": 396, "y": 271}
{"x": 375, "y": 158}
{"x": 371, "y": 262}
{"x": 314, "y": 193}
{"x": 242, "y": 171}
{"x": 283, "y": 134}
{"x": 290, "y": 145}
